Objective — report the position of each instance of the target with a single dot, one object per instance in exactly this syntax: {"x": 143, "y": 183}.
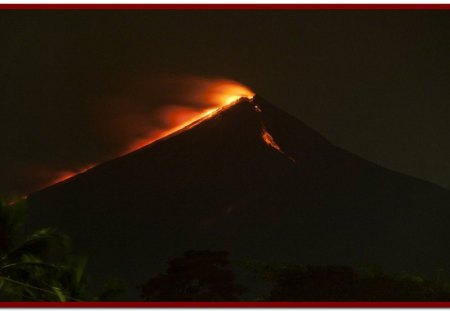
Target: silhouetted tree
{"x": 343, "y": 283}
{"x": 197, "y": 276}
{"x": 39, "y": 266}
{"x": 27, "y": 272}
{"x": 315, "y": 283}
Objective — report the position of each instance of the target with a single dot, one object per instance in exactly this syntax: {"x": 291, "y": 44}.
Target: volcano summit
{"x": 254, "y": 181}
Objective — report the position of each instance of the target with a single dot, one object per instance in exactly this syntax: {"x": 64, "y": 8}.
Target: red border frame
{"x": 150, "y": 6}
{"x": 121, "y": 304}
{"x": 224, "y": 304}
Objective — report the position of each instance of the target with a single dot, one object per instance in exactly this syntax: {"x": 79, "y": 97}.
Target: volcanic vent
{"x": 252, "y": 180}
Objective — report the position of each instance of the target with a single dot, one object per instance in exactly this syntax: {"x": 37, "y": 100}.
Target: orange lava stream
{"x": 215, "y": 97}
{"x": 268, "y": 139}
{"x": 184, "y": 120}
{"x": 65, "y": 175}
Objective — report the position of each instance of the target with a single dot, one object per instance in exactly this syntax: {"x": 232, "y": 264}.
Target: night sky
{"x": 376, "y": 83}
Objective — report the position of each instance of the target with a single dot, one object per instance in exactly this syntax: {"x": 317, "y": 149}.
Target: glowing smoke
{"x": 145, "y": 110}
{"x": 203, "y": 97}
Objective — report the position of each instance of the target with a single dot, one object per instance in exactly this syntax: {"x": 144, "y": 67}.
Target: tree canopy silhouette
{"x": 36, "y": 267}
{"x": 345, "y": 283}
{"x": 197, "y": 276}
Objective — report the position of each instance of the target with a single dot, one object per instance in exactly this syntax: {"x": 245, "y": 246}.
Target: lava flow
{"x": 270, "y": 141}
{"x": 211, "y": 97}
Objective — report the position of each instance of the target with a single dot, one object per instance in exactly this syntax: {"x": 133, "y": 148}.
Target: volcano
{"x": 255, "y": 181}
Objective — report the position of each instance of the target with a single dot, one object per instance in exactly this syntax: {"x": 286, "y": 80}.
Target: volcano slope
{"x": 256, "y": 182}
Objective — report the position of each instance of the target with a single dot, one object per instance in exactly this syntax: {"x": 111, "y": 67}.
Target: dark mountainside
{"x": 219, "y": 185}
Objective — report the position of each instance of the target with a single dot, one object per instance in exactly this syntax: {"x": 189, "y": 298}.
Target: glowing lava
{"x": 212, "y": 98}
{"x": 226, "y": 92}
{"x": 65, "y": 175}
{"x": 209, "y": 97}
{"x": 268, "y": 139}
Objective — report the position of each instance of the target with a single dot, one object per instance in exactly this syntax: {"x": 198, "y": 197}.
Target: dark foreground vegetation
{"x": 344, "y": 283}
{"x": 205, "y": 276}
{"x": 41, "y": 267}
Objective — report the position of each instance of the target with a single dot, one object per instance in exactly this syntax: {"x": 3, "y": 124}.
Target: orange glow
{"x": 225, "y": 92}
{"x": 179, "y": 118}
{"x": 212, "y": 97}
{"x": 65, "y": 175}
{"x": 205, "y": 99}
{"x": 268, "y": 139}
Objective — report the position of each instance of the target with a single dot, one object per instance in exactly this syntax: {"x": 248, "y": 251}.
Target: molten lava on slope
{"x": 213, "y": 96}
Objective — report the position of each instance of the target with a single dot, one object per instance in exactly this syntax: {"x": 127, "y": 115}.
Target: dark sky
{"x": 376, "y": 83}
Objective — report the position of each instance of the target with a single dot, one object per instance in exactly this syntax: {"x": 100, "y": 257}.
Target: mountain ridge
{"x": 223, "y": 184}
